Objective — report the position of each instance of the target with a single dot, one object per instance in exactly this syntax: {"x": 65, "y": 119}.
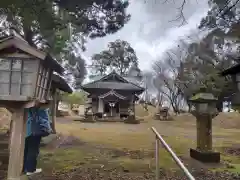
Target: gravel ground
{"x": 101, "y": 174}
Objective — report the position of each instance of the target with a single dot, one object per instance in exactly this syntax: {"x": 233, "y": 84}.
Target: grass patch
{"x": 231, "y": 162}
{"x": 61, "y": 159}
{"x": 64, "y": 160}
{"x": 180, "y": 134}
{"x": 140, "y": 111}
{"x": 232, "y": 168}
{"x": 236, "y": 168}
{"x": 145, "y": 140}
{"x": 133, "y": 165}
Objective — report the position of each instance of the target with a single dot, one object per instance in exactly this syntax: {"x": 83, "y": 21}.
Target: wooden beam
{"x": 53, "y": 110}
{"x": 17, "y": 144}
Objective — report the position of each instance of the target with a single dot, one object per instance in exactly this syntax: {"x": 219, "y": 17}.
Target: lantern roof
{"x": 15, "y": 41}
{"x": 60, "y": 83}
{"x": 113, "y": 81}
{"x": 203, "y": 98}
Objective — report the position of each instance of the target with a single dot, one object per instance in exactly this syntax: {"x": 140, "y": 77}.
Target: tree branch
{"x": 180, "y": 15}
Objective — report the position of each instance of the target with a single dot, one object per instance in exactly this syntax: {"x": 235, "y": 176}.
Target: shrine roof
{"x": 113, "y": 81}
{"x": 128, "y": 78}
{"x": 112, "y": 85}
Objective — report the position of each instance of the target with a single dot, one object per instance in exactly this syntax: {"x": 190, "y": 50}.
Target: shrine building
{"x": 112, "y": 96}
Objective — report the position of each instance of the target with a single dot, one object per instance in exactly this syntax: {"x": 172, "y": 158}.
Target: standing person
{"x": 38, "y": 126}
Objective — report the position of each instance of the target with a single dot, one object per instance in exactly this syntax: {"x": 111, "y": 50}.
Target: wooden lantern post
{"x": 17, "y": 143}
{"x": 17, "y": 138}
{"x": 26, "y": 75}
{"x": 204, "y": 105}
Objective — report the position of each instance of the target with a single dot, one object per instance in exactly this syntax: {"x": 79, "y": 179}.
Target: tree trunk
{"x": 160, "y": 99}
{"x": 175, "y": 108}
{"x": 189, "y": 107}
{"x": 28, "y": 33}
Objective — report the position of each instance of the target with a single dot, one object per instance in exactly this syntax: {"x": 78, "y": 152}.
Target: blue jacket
{"x": 43, "y": 119}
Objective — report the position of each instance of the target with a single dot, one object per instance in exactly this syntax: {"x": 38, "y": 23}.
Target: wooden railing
{"x": 170, "y": 151}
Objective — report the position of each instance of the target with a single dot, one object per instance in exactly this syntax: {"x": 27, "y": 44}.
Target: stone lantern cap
{"x": 203, "y": 98}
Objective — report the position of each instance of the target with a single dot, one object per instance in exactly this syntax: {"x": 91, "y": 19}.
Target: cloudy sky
{"x": 151, "y": 31}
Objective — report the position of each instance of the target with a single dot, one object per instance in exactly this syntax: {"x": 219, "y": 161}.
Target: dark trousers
{"x": 31, "y": 151}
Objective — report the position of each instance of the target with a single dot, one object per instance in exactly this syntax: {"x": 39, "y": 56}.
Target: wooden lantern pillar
{"x": 204, "y": 109}
{"x": 17, "y": 144}
{"x": 17, "y": 137}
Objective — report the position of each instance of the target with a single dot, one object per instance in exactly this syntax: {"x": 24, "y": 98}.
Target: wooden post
{"x": 53, "y": 111}
{"x": 17, "y": 144}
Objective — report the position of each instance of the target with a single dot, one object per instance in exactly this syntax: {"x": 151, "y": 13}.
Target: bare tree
{"x": 180, "y": 5}
{"x": 166, "y": 83}
{"x": 201, "y": 68}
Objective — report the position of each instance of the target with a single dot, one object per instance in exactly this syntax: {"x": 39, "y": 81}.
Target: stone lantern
{"x": 203, "y": 107}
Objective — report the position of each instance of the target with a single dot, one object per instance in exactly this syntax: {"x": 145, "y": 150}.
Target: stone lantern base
{"x": 205, "y": 157}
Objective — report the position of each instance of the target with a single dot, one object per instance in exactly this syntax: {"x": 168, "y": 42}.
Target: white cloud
{"x": 149, "y": 34}
{"x": 161, "y": 45}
